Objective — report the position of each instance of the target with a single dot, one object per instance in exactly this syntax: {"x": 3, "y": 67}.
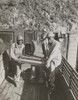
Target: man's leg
{"x": 52, "y": 77}
{"x": 41, "y": 74}
{"x": 33, "y": 74}
{"x": 17, "y": 75}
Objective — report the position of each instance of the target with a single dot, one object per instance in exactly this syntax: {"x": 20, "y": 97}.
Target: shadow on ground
{"x": 58, "y": 93}
{"x": 37, "y": 91}
{"x": 33, "y": 91}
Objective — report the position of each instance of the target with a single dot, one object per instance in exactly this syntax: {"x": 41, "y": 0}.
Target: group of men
{"x": 51, "y": 51}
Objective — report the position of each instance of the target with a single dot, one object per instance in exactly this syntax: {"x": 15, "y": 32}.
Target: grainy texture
{"x": 27, "y": 90}
{"x": 37, "y": 14}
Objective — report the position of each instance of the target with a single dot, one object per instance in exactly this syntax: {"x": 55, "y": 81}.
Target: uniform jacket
{"x": 54, "y": 53}
{"x": 16, "y": 51}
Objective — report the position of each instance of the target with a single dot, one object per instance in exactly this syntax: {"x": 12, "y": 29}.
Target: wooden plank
{"x": 75, "y": 86}
{"x": 66, "y": 76}
{"x": 0, "y": 90}
{"x": 2, "y": 97}
{"x": 6, "y": 89}
{"x": 67, "y": 64}
{"x": 9, "y": 91}
{"x": 17, "y": 91}
{"x": 74, "y": 90}
{"x": 75, "y": 76}
{"x": 74, "y": 93}
{"x": 3, "y": 84}
{"x": 67, "y": 71}
{"x": 20, "y": 93}
{"x": 65, "y": 80}
{"x": 20, "y": 90}
{"x": 14, "y": 96}
{"x": 12, "y": 93}
{"x": 75, "y": 80}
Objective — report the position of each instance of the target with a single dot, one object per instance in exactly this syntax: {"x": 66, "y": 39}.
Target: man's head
{"x": 19, "y": 39}
{"x": 43, "y": 35}
{"x": 51, "y": 37}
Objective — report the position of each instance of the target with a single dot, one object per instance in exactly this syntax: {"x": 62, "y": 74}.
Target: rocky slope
{"x": 39, "y": 14}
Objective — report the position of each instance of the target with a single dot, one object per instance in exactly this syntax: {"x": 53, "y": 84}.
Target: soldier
{"x": 15, "y": 53}
{"x": 54, "y": 58}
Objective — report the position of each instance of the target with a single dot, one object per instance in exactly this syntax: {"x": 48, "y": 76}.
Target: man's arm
{"x": 12, "y": 54}
{"x": 53, "y": 54}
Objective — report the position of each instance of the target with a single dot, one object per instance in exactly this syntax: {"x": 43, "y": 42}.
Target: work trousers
{"x": 16, "y": 69}
{"x": 52, "y": 74}
{"x": 53, "y": 70}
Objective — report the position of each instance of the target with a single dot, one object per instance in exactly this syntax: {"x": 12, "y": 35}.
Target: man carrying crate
{"x": 54, "y": 58}
{"x": 15, "y": 54}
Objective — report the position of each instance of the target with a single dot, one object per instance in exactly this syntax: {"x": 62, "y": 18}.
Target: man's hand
{"x": 19, "y": 61}
{"x": 47, "y": 63}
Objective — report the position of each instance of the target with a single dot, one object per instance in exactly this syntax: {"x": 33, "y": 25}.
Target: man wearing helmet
{"x": 54, "y": 57}
{"x": 15, "y": 53}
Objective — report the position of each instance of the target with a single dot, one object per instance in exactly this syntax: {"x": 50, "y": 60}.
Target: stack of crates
{"x": 2, "y": 70}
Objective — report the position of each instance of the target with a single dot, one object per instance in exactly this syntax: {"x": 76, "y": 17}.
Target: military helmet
{"x": 51, "y": 34}
{"x": 19, "y": 37}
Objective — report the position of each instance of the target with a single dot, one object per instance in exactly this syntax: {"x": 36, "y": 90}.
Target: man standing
{"x": 54, "y": 57}
{"x": 15, "y": 53}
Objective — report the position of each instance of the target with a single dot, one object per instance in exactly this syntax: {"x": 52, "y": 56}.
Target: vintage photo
{"x": 38, "y": 49}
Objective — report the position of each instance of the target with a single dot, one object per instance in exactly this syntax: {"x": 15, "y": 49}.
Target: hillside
{"x": 39, "y": 14}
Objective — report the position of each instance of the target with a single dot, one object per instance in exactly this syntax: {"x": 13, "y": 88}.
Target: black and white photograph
{"x": 38, "y": 49}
